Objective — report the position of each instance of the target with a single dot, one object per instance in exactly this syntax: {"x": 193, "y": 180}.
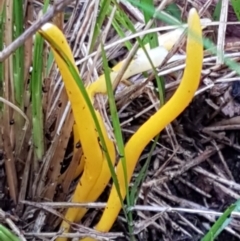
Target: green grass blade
{"x": 120, "y": 32}
{"x": 36, "y": 93}
{"x": 161, "y": 89}
{"x": 18, "y": 72}
{"x": 45, "y": 5}
{"x": 152, "y": 38}
{"x": 222, "y": 222}
{"x": 236, "y": 8}
{"x": 104, "y": 5}
{"x": 7, "y": 235}
{"x": 115, "y": 120}
{"x": 142, "y": 174}
{"x": 119, "y": 23}
{"x": 119, "y": 138}
{"x": 2, "y": 22}
{"x": 140, "y": 42}
{"x": 217, "y": 11}
{"x": 161, "y": 15}
{"x": 233, "y": 65}
{"x": 18, "y": 63}
{"x": 50, "y": 62}
{"x": 173, "y": 10}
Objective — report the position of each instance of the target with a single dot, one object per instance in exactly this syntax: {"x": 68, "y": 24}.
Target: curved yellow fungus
{"x": 96, "y": 174}
{"x": 165, "y": 41}
{"x": 139, "y": 64}
{"x": 93, "y": 153}
{"x": 157, "y": 122}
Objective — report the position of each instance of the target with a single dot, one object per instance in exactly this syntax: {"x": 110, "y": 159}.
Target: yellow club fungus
{"x": 139, "y": 64}
{"x": 93, "y": 153}
{"x": 96, "y": 173}
{"x": 158, "y": 121}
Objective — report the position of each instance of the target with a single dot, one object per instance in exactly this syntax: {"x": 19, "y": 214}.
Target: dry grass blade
{"x": 222, "y": 30}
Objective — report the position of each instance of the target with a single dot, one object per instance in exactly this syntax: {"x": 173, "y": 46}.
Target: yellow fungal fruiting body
{"x": 96, "y": 173}
{"x": 157, "y": 122}
{"x": 93, "y": 153}
{"x": 139, "y": 64}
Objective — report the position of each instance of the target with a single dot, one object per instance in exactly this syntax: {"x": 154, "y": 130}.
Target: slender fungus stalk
{"x": 138, "y": 65}
{"x": 96, "y": 174}
{"x": 93, "y": 152}
{"x": 158, "y": 121}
